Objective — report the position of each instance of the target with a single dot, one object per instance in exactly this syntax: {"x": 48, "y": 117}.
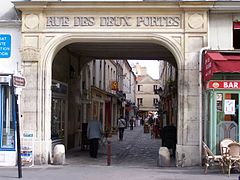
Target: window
{"x": 139, "y": 101}
{"x": 155, "y": 87}
{"x": 94, "y": 83}
{"x": 155, "y": 101}
{"x": 236, "y": 35}
{"x": 94, "y": 73}
{"x": 140, "y": 87}
{"x": 84, "y": 85}
{"x": 6, "y": 118}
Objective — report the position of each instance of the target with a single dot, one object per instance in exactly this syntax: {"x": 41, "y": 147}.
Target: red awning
{"x": 236, "y": 25}
{"x": 216, "y": 62}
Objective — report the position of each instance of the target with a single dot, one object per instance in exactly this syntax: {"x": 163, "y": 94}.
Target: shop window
{"x": 58, "y": 119}
{"x": 231, "y": 107}
{"x": 236, "y": 35}
{"x": 6, "y": 118}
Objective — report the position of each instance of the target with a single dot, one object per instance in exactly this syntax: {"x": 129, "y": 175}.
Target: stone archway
{"x": 57, "y": 43}
{"x": 41, "y": 44}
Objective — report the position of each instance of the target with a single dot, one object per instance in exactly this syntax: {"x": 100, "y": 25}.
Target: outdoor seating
{"x": 232, "y": 158}
{"x": 224, "y": 145}
{"x": 211, "y": 159}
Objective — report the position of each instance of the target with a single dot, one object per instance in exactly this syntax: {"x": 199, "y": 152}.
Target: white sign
{"x": 229, "y": 107}
{"x": 19, "y": 81}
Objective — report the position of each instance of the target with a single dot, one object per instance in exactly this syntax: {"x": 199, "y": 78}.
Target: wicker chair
{"x": 233, "y": 157}
{"x": 211, "y": 159}
{"x": 224, "y": 145}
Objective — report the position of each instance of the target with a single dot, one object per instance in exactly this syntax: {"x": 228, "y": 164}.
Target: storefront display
{"x": 59, "y": 112}
{"x": 221, "y": 78}
{"x": 223, "y": 117}
{"x": 7, "y": 122}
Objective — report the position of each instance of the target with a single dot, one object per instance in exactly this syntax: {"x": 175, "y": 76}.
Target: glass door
{"x": 58, "y": 120}
{"x": 224, "y": 117}
{"x": 7, "y": 123}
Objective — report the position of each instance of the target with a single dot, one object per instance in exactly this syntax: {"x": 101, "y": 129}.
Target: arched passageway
{"x": 80, "y": 69}
{"x": 176, "y": 38}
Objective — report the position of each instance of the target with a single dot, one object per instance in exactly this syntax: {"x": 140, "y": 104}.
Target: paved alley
{"x": 137, "y": 149}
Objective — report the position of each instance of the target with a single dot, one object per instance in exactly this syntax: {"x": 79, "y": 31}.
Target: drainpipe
{"x": 200, "y": 98}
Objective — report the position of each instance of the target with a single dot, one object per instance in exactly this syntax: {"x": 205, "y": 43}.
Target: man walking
{"x": 131, "y": 123}
{"x": 94, "y": 132}
{"x": 121, "y": 127}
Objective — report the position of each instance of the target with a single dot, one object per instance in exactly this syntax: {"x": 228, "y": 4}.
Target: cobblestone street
{"x": 137, "y": 149}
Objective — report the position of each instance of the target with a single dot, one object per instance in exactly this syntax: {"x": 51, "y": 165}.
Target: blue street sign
{"x": 5, "y": 45}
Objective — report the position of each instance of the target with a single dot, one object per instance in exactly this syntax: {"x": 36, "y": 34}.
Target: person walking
{"x": 121, "y": 127}
{"x": 94, "y": 132}
{"x": 131, "y": 123}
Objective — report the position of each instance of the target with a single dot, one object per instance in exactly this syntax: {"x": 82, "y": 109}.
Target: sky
{"x": 151, "y": 65}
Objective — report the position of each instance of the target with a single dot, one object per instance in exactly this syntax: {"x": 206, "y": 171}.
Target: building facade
{"x": 168, "y": 94}
{"x": 10, "y": 65}
{"x": 94, "y": 90}
{"x": 221, "y": 75}
{"x": 146, "y": 98}
{"x": 175, "y": 31}
{"x": 129, "y": 83}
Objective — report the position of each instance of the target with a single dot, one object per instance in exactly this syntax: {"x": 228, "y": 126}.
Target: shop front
{"x": 7, "y": 122}
{"x": 221, "y": 97}
{"x": 59, "y": 113}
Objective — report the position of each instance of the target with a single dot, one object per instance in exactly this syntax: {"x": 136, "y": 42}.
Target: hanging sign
{"x": 5, "y": 45}
{"x": 114, "y": 85}
{"x": 229, "y": 107}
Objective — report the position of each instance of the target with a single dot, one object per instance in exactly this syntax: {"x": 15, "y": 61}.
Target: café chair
{"x": 233, "y": 156}
{"x": 224, "y": 145}
{"x": 211, "y": 159}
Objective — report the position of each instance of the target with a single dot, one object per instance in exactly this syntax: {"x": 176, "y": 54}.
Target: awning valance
{"x": 218, "y": 62}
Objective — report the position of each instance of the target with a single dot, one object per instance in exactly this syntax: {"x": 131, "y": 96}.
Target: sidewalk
{"x": 134, "y": 158}
{"x": 96, "y": 172}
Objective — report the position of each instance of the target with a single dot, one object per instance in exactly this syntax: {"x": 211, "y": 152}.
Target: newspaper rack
{"x": 27, "y": 147}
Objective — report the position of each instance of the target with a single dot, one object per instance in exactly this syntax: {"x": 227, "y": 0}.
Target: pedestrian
{"x": 121, "y": 127}
{"x": 131, "y": 121}
{"x": 142, "y": 120}
{"x": 94, "y": 132}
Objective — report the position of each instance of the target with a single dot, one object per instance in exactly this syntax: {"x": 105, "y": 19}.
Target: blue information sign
{"x": 5, "y": 45}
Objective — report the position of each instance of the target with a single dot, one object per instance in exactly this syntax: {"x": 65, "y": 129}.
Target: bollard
{"x": 109, "y": 153}
{"x": 59, "y": 154}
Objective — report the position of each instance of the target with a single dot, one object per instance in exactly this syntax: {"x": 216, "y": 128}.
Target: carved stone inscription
{"x": 173, "y": 21}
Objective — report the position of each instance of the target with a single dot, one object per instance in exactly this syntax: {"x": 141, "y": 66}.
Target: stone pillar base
{"x": 187, "y": 155}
